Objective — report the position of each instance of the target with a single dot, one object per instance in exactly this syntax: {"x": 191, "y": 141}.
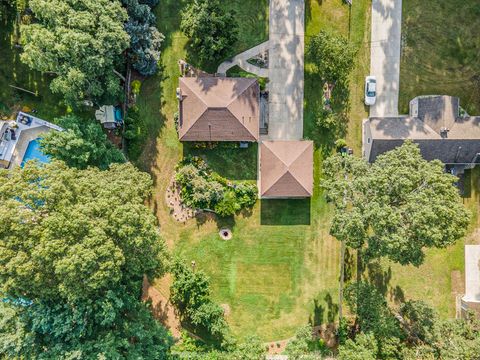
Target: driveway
{"x": 385, "y": 55}
{"x": 286, "y": 69}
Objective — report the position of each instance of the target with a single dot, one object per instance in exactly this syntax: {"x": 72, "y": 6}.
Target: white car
{"x": 370, "y": 90}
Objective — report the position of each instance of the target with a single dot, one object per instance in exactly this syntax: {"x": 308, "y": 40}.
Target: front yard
{"x": 440, "y": 47}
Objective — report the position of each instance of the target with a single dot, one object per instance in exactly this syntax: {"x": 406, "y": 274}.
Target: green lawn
{"x": 441, "y": 49}
{"x": 14, "y": 72}
{"x": 280, "y": 269}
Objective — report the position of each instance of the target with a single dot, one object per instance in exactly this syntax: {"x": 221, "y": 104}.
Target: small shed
{"x": 106, "y": 116}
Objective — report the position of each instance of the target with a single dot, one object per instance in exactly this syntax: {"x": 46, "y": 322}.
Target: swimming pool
{"x": 33, "y": 152}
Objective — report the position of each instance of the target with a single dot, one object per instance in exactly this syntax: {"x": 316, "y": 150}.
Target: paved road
{"x": 286, "y": 69}
{"x": 241, "y": 60}
{"x": 385, "y": 55}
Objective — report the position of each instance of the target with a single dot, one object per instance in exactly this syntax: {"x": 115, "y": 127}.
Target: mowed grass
{"x": 14, "y": 72}
{"x": 441, "y": 45}
{"x": 280, "y": 269}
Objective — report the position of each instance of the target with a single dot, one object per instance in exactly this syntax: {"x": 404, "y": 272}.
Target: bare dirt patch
{"x": 162, "y": 309}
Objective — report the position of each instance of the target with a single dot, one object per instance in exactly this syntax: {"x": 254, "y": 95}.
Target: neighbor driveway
{"x": 286, "y": 53}
{"x": 385, "y": 55}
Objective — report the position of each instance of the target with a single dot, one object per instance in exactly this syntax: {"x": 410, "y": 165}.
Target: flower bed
{"x": 202, "y": 188}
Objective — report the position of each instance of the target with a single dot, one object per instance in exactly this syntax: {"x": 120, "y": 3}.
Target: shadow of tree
{"x": 324, "y": 310}
{"x": 379, "y": 277}
{"x": 285, "y": 212}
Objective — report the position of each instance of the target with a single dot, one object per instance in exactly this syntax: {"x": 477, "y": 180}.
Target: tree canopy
{"x": 332, "y": 56}
{"x": 75, "y": 247}
{"x": 397, "y": 206}
{"x": 82, "y": 144}
{"x": 145, "y": 39}
{"x": 81, "y": 42}
{"x": 211, "y": 30}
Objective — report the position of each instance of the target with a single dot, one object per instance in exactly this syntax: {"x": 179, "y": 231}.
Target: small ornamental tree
{"x": 395, "y": 207}
{"x": 81, "y": 42}
{"x": 212, "y": 31}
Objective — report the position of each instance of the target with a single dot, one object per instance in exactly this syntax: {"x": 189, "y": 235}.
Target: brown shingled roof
{"x": 219, "y": 109}
{"x": 286, "y": 169}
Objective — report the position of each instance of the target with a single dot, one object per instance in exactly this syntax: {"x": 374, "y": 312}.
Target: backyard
{"x": 280, "y": 269}
{"x": 440, "y": 46}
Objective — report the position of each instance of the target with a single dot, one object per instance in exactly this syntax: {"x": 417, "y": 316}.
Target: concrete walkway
{"x": 286, "y": 69}
{"x": 385, "y": 55}
{"x": 241, "y": 60}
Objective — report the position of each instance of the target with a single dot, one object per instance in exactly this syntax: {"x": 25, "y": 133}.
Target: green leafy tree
{"x": 82, "y": 144}
{"x": 75, "y": 247}
{"x": 81, "y": 42}
{"x": 364, "y": 347}
{"x": 190, "y": 294}
{"x": 332, "y": 56}
{"x": 211, "y": 30}
{"x": 418, "y": 320}
{"x": 373, "y": 314}
{"x": 397, "y": 206}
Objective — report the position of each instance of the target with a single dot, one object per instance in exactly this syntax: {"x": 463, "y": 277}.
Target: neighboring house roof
{"x": 472, "y": 273}
{"x": 219, "y": 109}
{"x": 286, "y": 169}
{"x": 434, "y": 124}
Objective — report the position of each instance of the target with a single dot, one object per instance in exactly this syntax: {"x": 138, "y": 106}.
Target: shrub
{"x": 136, "y": 86}
{"x": 205, "y": 189}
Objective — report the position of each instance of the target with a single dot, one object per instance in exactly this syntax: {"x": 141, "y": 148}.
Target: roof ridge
{"x": 240, "y": 122}
{"x": 193, "y": 123}
{"x": 298, "y": 157}
{"x": 238, "y": 95}
{"x": 281, "y": 174}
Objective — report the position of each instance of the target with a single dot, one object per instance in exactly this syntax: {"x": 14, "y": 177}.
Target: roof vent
{"x": 444, "y": 132}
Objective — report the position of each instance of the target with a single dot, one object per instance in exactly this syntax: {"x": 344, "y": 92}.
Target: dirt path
{"x": 163, "y": 310}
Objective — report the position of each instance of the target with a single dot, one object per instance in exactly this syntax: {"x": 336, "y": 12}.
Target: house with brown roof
{"x": 436, "y": 124}
{"x": 218, "y": 109}
{"x": 286, "y": 169}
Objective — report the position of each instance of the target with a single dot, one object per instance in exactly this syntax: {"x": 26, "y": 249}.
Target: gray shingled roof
{"x": 458, "y": 146}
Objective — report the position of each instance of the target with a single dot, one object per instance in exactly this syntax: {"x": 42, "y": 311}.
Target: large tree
{"x": 145, "y": 39}
{"x": 75, "y": 245}
{"x": 332, "y": 56}
{"x": 82, "y": 144}
{"x": 81, "y": 42}
{"x": 395, "y": 207}
{"x": 211, "y": 30}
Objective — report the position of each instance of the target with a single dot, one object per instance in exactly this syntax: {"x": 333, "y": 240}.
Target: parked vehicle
{"x": 370, "y": 90}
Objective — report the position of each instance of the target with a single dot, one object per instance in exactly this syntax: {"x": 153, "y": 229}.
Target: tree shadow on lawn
{"x": 324, "y": 311}
{"x": 285, "y": 212}
{"x": 232, "y": 163}
{"x": 380, "y": 277}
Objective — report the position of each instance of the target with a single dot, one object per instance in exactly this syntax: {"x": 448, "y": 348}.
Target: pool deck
{"x": 23, "y": 141}
{"x": 13, "y": 150}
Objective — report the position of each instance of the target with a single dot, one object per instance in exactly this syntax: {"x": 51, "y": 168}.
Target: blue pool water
{"x": 33, "y": 152}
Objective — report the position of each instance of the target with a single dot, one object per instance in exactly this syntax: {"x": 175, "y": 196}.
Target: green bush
{"x": 136, "y": 86}
{"x": 203, "y": 188}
